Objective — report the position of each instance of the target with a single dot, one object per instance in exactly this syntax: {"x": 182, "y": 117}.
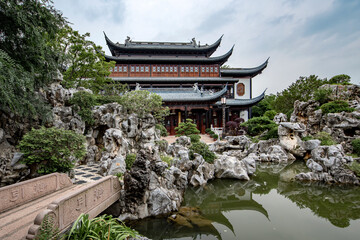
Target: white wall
{"x": 246, "y": 82}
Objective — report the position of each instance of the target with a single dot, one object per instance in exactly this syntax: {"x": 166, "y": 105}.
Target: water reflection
{"x": 206, "y": 207}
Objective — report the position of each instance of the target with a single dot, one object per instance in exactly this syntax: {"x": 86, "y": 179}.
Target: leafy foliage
{"x": 322, "y": 95}
{"x": 186, "y": 128}
{"x": 271, "y": 133}
{"x": 27, "y": 60}
{"x": 100, "y": 228}
{"x": 356, "y": 146}
{"x": 355, "y": 167}
{"x": 83, "y": 61}
{"x": 143, "y": 102}
{"x": 340, "y": 79}
{"x": 166, "y": 159}
{"x": 215, "y": 136}
{"x": 258, "y": 125}
{"x": 302, "y": 90}
{"x": 336, "y": 106}
{"x": 17, "y": 91}
{"x": 325, "y": 138}
{"x": 163, "y": 131}
{"x": 52, "y": 149}
{"x": 129, "y": 160}
{"x": 264, "y": 105}
{"x": 82, "y": 103}
{"x": 270, "y": 114}
{"x": 307, "y": 138}
{"x": 208, "y": 130}
{"x": 194, "y": 138}
{"x": 202, "y": 149}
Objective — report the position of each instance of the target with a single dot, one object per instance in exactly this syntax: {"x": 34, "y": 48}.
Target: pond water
{"x": 269, "y": 206}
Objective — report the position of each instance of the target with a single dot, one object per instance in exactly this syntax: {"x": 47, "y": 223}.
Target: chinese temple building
{"x": 191, "y": 82}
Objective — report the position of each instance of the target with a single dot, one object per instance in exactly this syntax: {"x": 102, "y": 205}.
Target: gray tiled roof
{"x": 243, "y": 72}
{"x": 243, "y": 102}
{"x": 163, "y": 47}
{"x": 166, "y": 59}
{"x": 186, "y": 94}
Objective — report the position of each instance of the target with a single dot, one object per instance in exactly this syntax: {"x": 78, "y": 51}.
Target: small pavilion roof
{"x": 243, "y": 102}
{"x": 175, "y": 79}
{"x": 186, "y": 94}
{"x": 185, "y": 48}
{"x": 243, "y": 72}
{"x": 170, "y": 60}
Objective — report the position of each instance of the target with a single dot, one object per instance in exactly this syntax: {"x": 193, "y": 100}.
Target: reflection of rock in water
{"x": 203, "y": 207}
{"x": 338, "y": 204}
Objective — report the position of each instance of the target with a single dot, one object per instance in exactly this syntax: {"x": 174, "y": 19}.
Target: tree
{"x": 27, "y": 59}
{"x": 303, "y": 89}
{"x": 186, "y": 128}
{"x": 264, "y": 105}
{"x": 340, "y": 79}
{"x": 143, "y": 102}
{"x": 83, "y": 62}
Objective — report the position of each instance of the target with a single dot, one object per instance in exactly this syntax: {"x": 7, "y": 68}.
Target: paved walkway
{"x": 204, "y": 137}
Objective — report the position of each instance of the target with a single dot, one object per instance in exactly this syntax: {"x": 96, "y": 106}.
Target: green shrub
{"x": 194, "y": 138}
{"x": 325, "y": 138}
{"x": 163, "y": 144}
{"x": 270, "y": 114}
{"x": 166, "y": 159}
{"x": 51, "y": 149}
{"x": 208, "y": 130}
{"x": 258, "y": 125}
{"x": 322, "y": 95}
{"x": 340, "y": 79}
{"x": 355, "y": 167}
{"x": 82, "y": 103}
{"x": 356, "y": 146}
{"x": 119, "y": 175}
{"x": 100, "y": 228}
{"x": 202, "y": 149}
{"x": 129, "y": 160}
{"x": 336, "y": 106}
{"x": 272, "y": 133}
{"x": 211, "y": 132}
{"x": 186, "y": 128}
{"x": 307, "y": 138}
{"x": 215, "y": 136}
{"x": 163, "y": 131}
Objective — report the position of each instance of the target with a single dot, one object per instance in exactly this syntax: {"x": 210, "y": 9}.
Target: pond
{"x": 269, "y": 206}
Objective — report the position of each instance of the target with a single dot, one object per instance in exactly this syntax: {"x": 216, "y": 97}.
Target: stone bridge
{"x": 24, "y": 206}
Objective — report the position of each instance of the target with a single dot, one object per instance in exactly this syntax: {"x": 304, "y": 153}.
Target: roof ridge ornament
{"x": 196, "y": 87}
{"x": 127, "y": 40}
{"x": 138, "y": 87}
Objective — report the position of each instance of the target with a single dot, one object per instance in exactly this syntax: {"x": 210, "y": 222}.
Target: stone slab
{"x": 92, "y": 199}
{"x": 23, "y": 192}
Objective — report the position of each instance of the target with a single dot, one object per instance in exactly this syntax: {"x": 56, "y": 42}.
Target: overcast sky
{"x": 301, "y": 37}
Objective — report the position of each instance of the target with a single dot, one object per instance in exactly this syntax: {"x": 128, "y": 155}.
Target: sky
{"x": 301, "y": 37}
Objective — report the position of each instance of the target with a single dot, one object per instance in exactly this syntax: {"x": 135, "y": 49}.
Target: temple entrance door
{"x": 203, "y": 123}
{"x": 171, "y": 123}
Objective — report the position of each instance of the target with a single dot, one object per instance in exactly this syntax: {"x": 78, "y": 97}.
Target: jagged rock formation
{"x": 329, "y": 164}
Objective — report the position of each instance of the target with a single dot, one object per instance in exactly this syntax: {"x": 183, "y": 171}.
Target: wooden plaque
{"x": 240, "y": 89}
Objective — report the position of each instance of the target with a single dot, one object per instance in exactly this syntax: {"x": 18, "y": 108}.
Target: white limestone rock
{"x": 230, "y": 167}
